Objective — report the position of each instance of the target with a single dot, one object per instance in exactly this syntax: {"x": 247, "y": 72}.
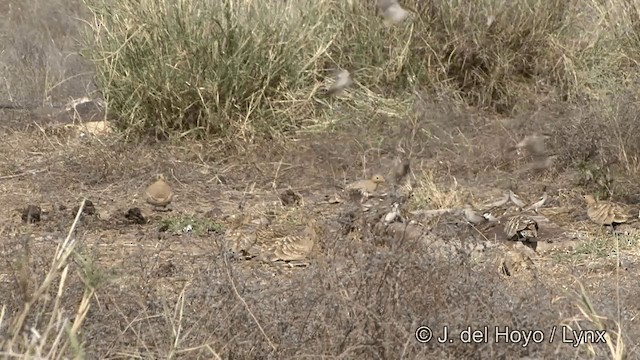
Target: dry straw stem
{"x": 434, "y": 193}
{"x": 616, "y": 348}
{"x": 177, "y": 331}
{"x": 34, "y": 342}
{"x": 244, "y": 81}
{"x": 246, "y": 306}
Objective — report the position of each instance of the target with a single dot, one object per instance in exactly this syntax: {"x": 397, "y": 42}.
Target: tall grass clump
{"x": 221, "y": 67}
{"x": 42, "y": 328}
{"x": 241, "y": 67}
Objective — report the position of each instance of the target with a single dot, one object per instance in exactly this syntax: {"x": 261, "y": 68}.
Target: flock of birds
{"x": 255, "y": 238}
{"x": 392, "y": 13}
{"x": 250, "y": 238}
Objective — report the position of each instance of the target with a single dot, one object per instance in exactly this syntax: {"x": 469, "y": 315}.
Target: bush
{"x": 210, "y": 66}
{"x": 238, "y": 67}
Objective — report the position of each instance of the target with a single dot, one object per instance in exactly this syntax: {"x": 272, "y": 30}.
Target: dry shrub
{"x": 195, "y": 65}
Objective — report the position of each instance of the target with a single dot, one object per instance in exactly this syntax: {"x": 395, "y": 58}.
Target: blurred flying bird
{"x": 341, "y": 82}
{"x": 534, "y": 144}
{"x": 401, "y": 168}
{"x": 392, "y": 11}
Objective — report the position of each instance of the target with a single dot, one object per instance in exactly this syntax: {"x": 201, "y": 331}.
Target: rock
{"x": 135, "y": 216}
{"x": 31, "y": 214}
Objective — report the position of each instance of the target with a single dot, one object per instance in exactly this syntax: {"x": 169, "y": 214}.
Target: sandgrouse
{"x": 159, "y": 193}
{"x": 292, "y": 248}
{"x": 605, "y": 212}
{"x": 521, "y": 228}
{"x": 365, "y": 188}
{"x": 243, "y": 233}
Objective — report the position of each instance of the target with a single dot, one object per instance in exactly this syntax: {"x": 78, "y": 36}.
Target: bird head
{"x": 377, "y": 178}
{"x": 312, "y": 229}
{"x": 589, "y": 199}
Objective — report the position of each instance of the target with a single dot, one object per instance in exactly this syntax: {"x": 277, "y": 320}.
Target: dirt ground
{"x": 162, "y": 291}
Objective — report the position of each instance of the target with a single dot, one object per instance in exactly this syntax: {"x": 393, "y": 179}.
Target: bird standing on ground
{"x": 516, "y": 199}
{"x": 365, "y": 187}
{"x": 392, "y": 11}
{"x": 342, "y": 81}
{"x": 159, "y": 193}
{"x": 521, "y": 228}
{"x": 472, "y": 216}
{"x": 605, "y": 212}
{"x": 538, "y": 204}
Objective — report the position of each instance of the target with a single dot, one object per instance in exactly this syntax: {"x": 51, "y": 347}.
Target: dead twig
{"x": 246, "y": 306}
{"x": 30, "y": 172}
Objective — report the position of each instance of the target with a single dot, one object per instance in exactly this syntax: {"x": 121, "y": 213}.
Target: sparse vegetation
{"x": 177, "y": 225}
{"x": 243, "y": 81}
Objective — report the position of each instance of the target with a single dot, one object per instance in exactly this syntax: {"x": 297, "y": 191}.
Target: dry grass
{"x": 168, "y": 294}
{"x": 456, "y": 85}
{"x": 54, "y": 334}
{"x": 235, "y": 77}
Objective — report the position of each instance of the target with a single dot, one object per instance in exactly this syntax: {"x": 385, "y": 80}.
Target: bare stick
{"x": 62, "y": 253}
{"x": 246, "y": 306}
{"x": 30, "y": 172}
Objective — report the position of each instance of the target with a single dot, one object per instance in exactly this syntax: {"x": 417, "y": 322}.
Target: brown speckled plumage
{"x": 292, "y": 247}
{"x": 605, "y": 212}
{"x": 522, "y": 228}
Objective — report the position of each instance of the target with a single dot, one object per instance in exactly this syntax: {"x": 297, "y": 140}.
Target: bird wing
{"x": 619, "y": 213}
{"x": 503, "y": 200}
{"x": 606, "y": 213}
{"x": 538, "y": 203}
{"x": 293, "y": 248}
{"x": 511, "y": 227}
{"x": 517, "y": 200}
{"x": 359, "y": 185}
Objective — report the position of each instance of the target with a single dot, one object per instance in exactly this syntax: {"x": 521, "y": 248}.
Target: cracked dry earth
{"x": 396, "y": 276}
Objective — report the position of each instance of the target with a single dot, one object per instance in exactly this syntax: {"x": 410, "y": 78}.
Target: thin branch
{"x": 246, "y": 306}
